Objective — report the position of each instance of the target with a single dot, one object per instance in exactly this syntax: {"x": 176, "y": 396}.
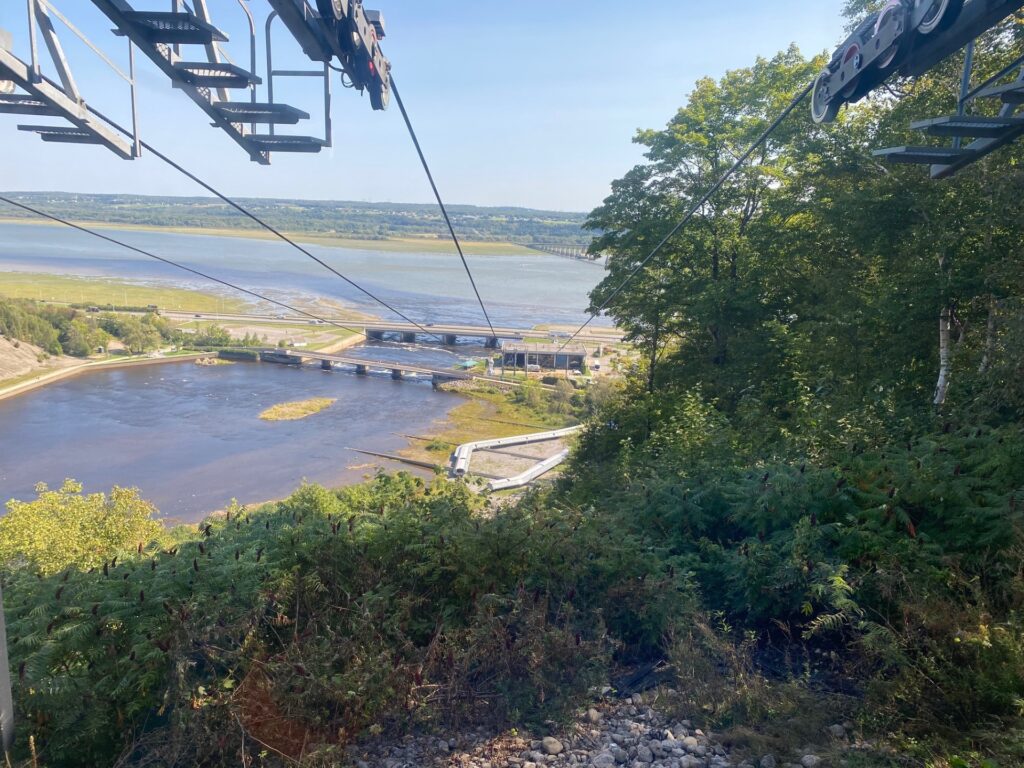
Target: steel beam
{"x": 14, "y": 69}
{"x": 305, "y": 26}
{"x": 115, "y": 10}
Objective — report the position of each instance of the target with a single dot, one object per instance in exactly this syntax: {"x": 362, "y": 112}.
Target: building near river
{"x": 542, "y": 357}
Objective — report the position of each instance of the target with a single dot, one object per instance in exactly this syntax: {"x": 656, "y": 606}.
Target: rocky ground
{"x": 619, "y": 733}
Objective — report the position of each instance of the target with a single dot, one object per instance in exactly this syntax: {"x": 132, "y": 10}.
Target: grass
{"x": 485, "y": 415}
{"x": 402, "y": 245}
{"x": 299, "y": 409}
{"x": 106, "y": 291}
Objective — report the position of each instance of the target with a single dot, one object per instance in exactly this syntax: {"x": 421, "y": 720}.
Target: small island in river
{"x": 299, "y": 409}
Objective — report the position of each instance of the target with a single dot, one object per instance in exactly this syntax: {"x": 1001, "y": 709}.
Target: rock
{"x": 552, "y": 745}
{"x": 810, "y": 761}
{"x": 690, "y": 743}
{"x": 644, "y": 754}
{"x": 603, "y": 760}
{"x": 837, "y": 731}
{"x": 593, "y": 716}
{"x": 619, "y": 754}
{"x": 529, "y": 764}
{"x": 768, "y": 761}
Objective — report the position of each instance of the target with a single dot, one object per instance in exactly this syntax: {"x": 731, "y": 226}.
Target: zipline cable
{"x": 203, "y": 275}
{"x": 440, "y": 202}
{"x": 696, "y": 207}
{"x": 244, "y": 211}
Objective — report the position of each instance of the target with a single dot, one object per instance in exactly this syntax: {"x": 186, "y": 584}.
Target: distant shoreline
{"x": 411, "y": 244}
{"x": 52, "y": 377}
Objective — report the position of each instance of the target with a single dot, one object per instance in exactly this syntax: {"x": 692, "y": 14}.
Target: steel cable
{"x": 693, "y": 210}
{"x": 440, "y": 202}
{"x": 172, "y": 263}
{"x": 270, "y": 228}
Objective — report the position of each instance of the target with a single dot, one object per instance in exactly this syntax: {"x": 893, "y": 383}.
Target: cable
{"x": 185, "y": 172}
{"x": 696, "y": 207}
{"x": 203, "y": 275}
{"x": 440, "y": 202}
{"x": 284, "y": 237}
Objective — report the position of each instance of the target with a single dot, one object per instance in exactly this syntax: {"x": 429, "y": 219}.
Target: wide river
{"x": 190, "y": 437}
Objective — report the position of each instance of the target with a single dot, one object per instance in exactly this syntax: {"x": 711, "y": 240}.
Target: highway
{"x": 595, "y": 334}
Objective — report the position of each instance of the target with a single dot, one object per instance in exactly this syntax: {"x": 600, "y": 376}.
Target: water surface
{"x": 427, "y": 287}
{"x": 190, "y": 436}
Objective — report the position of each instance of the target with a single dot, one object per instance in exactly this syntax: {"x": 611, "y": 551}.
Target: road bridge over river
{"x": 363, "y": 366}
{"x": 447, "y": 333}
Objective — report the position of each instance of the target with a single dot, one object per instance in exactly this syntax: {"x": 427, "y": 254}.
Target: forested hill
{"x": 370, "y": 221}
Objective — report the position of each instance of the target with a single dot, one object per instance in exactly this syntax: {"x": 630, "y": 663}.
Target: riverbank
{"x": 401, "y": 245}
{"x": 52, "y": 377}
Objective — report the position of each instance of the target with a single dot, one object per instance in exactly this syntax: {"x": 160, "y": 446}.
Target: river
{"x": 427, "y": 287}
{"x": 190, "y": 437}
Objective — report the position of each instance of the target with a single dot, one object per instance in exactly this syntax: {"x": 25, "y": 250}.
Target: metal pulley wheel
{"x": 894, "y": 8}
{"x": 823, "y": 110}
{"x": 333, "y": 9}
{"x": 940, "y": 16}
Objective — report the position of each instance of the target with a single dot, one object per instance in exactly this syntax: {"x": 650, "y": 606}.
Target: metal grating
{"x": 1010, "y": 93}
{"x": 209, "y": 74}
{"x": 62, "y": 134}
{"x": 266, "y": 143}
{"x": 926, "y": 155}
{"x": 248, "y": 112}
{"x": 174, "y": 28}
{"x": 18, "y": 104}
{"x": 973, "y": 126}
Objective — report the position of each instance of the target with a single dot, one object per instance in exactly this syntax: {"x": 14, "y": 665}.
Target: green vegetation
{"x": 66, "y": 529}
{"x": 108, "y": 293}
{"x": 66, "y": 330}
{"x": 299, "y": 409}
{"x": 291, "y": 629}
{"x": 807, "y": 495}
{"x": 401, "y": 226}
{"x": 826, "y": 428}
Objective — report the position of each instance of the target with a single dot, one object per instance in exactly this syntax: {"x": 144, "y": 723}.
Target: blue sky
{"x": 526, "y": 102}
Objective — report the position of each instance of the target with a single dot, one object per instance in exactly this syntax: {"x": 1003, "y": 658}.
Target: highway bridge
{"x": 398, "y": 370}
{"x": 447, "y": 333}
{"x": 577, "y": 252}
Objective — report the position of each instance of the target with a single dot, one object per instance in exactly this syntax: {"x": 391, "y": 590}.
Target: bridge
{"x": 577, "y": 252}
{"x": 446, "y": 334}
{"x": 450, "y": 333}
{"x": 363, "y": 366}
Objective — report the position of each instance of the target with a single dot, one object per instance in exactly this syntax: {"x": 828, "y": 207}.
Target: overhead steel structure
{"x": 186, "y": 46}
{"x": 910, "y": 37}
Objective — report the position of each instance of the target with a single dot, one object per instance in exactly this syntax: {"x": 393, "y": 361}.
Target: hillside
{"x": 19, "y": 359}
{"x": 344, "y": 219}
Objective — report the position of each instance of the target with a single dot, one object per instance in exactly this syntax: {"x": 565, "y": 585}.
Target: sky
{"x": 530, "y": 103}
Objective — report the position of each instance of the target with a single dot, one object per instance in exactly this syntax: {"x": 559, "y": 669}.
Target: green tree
{"x": 65, "y": 527}
{"x": 561, "y": 399}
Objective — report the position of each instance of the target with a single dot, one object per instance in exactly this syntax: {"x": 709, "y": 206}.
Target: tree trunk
{"x": 942, "y": 386}
{"x": 990, "y": 336}
{"x": 653, "y": 365}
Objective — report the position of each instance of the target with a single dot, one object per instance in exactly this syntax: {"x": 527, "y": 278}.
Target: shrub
{"x": 66, "y": 528}
{"x": 304, "y": 622}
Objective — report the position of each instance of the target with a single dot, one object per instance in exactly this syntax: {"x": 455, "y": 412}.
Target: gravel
{"x": 626, "y": 733}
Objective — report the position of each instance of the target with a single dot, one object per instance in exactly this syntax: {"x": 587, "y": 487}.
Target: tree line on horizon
{"x": 344, "y": 219}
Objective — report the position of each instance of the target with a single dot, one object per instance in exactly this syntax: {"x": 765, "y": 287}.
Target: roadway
{"x": 591, "y": 333}
{"x": 395, "y": 365}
